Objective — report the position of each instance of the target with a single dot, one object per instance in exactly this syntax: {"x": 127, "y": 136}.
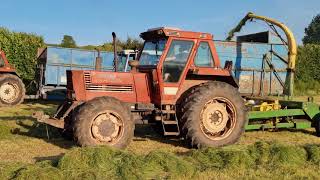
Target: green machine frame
{"x": 288, "y": 114}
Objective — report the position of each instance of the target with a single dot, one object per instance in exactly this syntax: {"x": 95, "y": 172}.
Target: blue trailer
{"x": 54, "y": 61}
{"x": 259, "y": 63}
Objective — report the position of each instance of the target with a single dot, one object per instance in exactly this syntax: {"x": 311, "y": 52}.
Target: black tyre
{"x": 213, "y": 115}
{"x": 12, "y": 90}
{"x": 104, "y": 121}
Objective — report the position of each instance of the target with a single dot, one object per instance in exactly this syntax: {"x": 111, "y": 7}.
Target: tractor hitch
{"x": 41, "y": 117}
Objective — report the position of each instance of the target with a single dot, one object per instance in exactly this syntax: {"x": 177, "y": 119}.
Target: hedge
{"x": 21, "y": 51}
{"x": 308, "y": 63}
{"x": 308, "y": 69}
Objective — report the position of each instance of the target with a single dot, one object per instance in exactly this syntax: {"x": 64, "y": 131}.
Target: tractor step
{"x": 170, "y": 122}
{"x": 168, "y": 111}
{"x": 171, "y": 133}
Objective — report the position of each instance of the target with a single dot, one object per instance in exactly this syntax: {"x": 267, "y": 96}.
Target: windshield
{"x": 151, "y": 52}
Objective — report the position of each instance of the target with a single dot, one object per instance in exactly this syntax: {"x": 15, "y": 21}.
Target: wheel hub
{"x": 106, "y": 127}
{"x": 8, "y": 92}
{"x": 214, "y": 117}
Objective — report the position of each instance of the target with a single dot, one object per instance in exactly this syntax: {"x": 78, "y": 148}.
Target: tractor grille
{"x": 112, "y": 88}
{"x": 87, "y": 77}
{"x": 106, "y": 88}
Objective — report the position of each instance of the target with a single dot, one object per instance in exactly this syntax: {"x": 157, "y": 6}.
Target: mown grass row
{"x": 261, "y": 160}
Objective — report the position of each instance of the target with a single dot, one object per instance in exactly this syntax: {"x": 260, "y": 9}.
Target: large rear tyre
{"x": 12, "y": 90}
{"x": 213, "y": 115}
{"x": 104, "y": 121}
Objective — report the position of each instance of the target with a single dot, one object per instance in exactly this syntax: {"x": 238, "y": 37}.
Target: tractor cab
{"x": 177, "y": 60}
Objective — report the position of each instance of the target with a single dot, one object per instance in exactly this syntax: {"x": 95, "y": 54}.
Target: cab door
{"x": 173, "y": 67}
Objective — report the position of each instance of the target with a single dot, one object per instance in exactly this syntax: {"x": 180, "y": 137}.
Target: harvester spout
{"x": 292, "y": 46}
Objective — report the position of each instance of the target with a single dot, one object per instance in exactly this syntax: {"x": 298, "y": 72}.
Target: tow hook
{"x": 41, "y": 117}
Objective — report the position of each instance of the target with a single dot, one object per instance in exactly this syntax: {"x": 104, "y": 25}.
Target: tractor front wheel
{"x": 104, "y": 121}
{"x": 213, "y": 115}
{"x": 12, "y": 90}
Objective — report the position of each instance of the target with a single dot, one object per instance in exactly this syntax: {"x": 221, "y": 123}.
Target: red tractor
{"x": 177, "y": 80}
{"x": 12, "y": 90}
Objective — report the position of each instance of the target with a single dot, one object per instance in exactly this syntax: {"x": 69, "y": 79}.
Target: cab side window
{"x": 203, "y": 57}
{"x": 176, "y": 60}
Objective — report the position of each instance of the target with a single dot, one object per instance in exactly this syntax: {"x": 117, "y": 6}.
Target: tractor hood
{"x": 123, "y": 86}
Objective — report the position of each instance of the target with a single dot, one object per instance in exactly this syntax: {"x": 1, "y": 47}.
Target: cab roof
{"x": 159, "y": 32}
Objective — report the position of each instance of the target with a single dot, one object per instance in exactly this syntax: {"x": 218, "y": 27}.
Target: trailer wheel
{"x": 104, "y": 121}
{"x": 213, "y": 115}
{"x": 12, "y": 90}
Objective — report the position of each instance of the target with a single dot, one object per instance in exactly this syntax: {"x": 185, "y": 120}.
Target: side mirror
{"x": 228, "y": 65}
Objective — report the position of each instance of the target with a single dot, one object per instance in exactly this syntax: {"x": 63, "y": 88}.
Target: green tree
{"x": 312, "y": 32}
{"x": 21, "y": 50}
{"x": 68, "y": 42}
{"x": 132, "y": 43}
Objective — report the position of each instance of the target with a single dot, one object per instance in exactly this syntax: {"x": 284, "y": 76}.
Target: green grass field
{"x": 35, "y": 151}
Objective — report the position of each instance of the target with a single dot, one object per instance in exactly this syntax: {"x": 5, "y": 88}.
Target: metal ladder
{"x": 169, "y": 120}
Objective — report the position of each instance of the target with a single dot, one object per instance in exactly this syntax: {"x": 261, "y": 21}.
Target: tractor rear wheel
{"x": 213, "y": 115}
{"x": 12, "y": 90}
{"x": 104, "y": 121}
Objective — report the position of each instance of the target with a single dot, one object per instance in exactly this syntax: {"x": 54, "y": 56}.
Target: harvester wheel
{"x": 12, "y": 90}
{"x": 104, "y": 121}
{"x": 213, "y": 115}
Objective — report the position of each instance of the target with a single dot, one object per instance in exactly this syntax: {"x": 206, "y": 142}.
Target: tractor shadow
{"x": 41, "y": 131}
{"x": 22, "y": 123}
{"x": 152, "y": 132}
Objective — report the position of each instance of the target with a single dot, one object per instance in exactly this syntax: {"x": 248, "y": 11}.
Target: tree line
{"x": 131, "y": 43}
{"x": 308, "y": 60}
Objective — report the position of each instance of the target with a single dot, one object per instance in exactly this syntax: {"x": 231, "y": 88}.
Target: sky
{"x": 92, "y": 21}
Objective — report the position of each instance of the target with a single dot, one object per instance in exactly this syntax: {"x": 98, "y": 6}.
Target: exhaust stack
{"x": 115, "y": 60}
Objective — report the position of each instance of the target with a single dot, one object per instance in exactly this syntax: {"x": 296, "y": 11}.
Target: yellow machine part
{"x": 292, "y": 45}
{"x": 265, "y": 106}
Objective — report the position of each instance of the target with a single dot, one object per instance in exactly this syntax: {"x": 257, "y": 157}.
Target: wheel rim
{"x": 107, "y": 127}
{"x": 9, "y": 92}
{"x": 218, "y": 118}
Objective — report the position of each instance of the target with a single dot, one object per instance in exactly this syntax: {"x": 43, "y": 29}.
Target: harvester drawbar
{"x": 206, "y": 91}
